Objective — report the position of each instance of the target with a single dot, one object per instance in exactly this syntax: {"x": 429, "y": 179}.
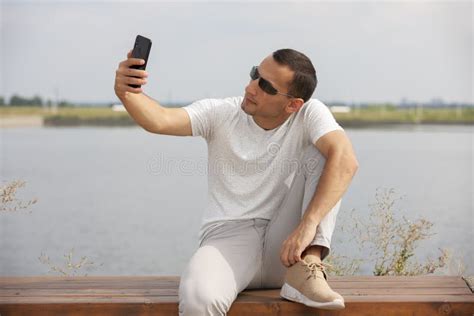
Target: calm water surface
{"x": 131, "y": 201}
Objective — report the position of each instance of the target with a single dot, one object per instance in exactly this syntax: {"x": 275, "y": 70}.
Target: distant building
{"x": 437, "y": 102}
{"x": 118, "y": 108}
{"x": 340, "y": 109}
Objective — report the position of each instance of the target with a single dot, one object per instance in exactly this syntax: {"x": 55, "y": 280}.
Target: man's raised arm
{"x": 147, "y": 112}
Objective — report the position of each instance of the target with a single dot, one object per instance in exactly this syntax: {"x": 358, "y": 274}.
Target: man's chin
{"x": 245, "y": 107}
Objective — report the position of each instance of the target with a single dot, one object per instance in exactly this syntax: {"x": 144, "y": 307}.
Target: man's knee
{"x": 197, "y": 300}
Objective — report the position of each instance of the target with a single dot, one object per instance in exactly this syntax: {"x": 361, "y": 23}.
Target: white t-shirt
{"x": 249, "y": 168}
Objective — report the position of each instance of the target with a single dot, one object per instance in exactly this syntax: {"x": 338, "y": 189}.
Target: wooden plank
{"x": 348, "y": 296}
{"x": 118, "y": 282}
{"x": 125, "y": 309}
{"x": 259, "y": 295}
{"x": 402, "y": 291}
{"x": 174, "y": 292}
{"x": 449, "y": 284}
{"x": 393, "y": 278}
{"x": 172, "y": 282}
{"x": 147, "y": 279}
{"x": 158, "y": 282}
{"x": 155, "y": 295}
{"x": 470, "y": 282}
{"x": 268, "y": 309}
{"x": 241, "y": 298}
{"x": 87, "y": 292}
{"x": 271, "y": 295}
{"x": 90, "y": 299}
{"x": 372, "y": 309}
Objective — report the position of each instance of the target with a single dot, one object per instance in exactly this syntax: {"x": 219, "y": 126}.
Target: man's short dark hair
{"x": 304, "y": 80}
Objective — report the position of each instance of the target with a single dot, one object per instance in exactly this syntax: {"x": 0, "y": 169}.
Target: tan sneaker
{"x": 306, "y": 283}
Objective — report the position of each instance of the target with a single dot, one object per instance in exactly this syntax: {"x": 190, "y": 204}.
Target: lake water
{"x": 131, "y": 201}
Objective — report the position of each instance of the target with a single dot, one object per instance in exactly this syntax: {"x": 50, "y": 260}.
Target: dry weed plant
{"x": 69, "y": 268}
{"x": 342, "y": 265}
{"x": 9, "y": 203}
{"x": 391, "y": 243}
{"x": 8, "y": 200}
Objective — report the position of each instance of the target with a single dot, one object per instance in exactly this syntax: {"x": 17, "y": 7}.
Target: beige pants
{"x": 245, "y": 254}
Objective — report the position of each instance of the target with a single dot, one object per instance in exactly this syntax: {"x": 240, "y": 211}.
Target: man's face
{"x": 258, "y": 102}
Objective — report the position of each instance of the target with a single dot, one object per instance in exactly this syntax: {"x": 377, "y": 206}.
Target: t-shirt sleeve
{"x": 206, "y": 115}
{"x": 319, "y": 121}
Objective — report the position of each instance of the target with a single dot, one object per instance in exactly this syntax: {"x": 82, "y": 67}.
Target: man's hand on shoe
{"x": 297, "y": 242}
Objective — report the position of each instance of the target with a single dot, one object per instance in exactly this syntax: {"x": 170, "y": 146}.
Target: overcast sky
{"x": 362, "y": 51}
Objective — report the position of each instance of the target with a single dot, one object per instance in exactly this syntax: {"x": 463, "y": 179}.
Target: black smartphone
{"x": 141, "y": 49}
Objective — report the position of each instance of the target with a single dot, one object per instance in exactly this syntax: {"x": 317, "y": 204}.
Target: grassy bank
{"x": 369, "y": 116}
{"x": 360, "y": 117}
{"x": 70, "y": 116}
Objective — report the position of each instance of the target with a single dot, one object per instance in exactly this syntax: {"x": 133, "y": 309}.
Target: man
{"x": 278, "y": 166}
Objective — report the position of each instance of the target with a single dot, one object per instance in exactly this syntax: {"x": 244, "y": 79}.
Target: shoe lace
{"x": 316, "y": 266}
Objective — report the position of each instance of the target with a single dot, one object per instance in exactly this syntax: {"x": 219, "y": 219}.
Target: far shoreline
{"x": 15, "y": 121}
{"x": 372, "y": 117}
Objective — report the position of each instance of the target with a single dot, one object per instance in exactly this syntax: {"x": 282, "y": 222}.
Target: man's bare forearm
{"x": 148, "y": 113}
{"x": 144, "y": 110}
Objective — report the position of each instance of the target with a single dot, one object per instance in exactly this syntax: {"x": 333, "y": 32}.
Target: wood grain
{"x": 158, "y": 295}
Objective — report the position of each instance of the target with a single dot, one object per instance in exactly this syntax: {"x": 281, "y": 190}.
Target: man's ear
{"x": 295, "y": 105}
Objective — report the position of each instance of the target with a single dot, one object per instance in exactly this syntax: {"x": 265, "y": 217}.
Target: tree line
{"x": 36, "y": 100}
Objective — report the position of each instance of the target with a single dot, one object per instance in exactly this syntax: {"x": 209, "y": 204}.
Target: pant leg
{"x": 288, "y": 216}
{"x": 223, "y": 265}
{"x": 313, "y": 168}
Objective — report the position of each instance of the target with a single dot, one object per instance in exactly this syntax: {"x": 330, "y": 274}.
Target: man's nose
{"x": 251, "y": 88}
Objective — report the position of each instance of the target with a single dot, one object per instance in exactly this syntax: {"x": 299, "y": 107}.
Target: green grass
{"x": 83, "y": 115}
{"x": 70, "y": 116}
{"x": 81, "y": 112}
{"x": 447, "y": 115}
{"x": 20, "y": 110}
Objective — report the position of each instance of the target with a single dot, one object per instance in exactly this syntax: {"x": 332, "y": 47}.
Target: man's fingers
{"x": 125, "y": 70}
{"x": 122, "y": 84}
{"x": 129, "y": 89}
{"x": 125, "y": 75}
{"x": 131, "y": 80}
{"x": 131, "y": 72}
{"x": 291, "y": 256}
{"x": 297, "y": 255}
{"x": 133, "y": 90}
{"x": 134, "y": 61}
{"x": 284, "y": 255}
{"x": 288, "y": 255}
{"x": 294, "y": 254}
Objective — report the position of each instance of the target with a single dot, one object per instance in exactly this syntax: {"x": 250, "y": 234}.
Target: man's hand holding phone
{"x": 131, "y": 74}
{"x": 126, "y": 76}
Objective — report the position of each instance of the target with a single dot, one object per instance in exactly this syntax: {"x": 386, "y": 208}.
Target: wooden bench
{"x": 158, "y": 295}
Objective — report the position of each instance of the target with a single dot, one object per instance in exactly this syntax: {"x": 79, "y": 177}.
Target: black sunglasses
{"x": 264, "y": 84}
